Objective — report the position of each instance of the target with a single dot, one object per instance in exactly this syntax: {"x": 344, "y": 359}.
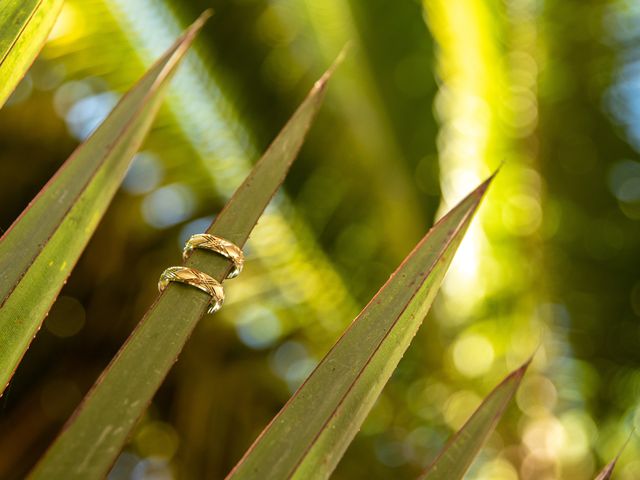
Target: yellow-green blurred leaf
{"x": 24, "y": 26}
{"x": 456, "y": 457}
{"x": 607, "y": 471}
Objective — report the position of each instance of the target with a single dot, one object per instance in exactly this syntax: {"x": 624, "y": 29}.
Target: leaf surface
{"x": 456, "y": 457}
{"x": 607, "y": 471}
{"x": 94, "y": 436}
{"x": 39, "y": 250}
{"x": 24, "y": 26}
{"x": 310, "y": 434}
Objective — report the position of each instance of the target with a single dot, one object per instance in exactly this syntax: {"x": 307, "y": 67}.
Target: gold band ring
{"x": 196, "y": 279}
{"x": 218, "y": 245}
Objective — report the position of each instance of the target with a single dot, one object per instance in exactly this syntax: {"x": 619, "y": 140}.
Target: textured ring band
{"x": 218, "y": 245}
{"x": 196, "y": 279}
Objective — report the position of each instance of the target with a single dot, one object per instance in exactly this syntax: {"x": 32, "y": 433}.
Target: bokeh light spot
{"x": 124, "y": 466}
{"x": 258, "y": 327}
{"x": 545, "y": 437}
{"x": 459, "y": 407}
{"x": 473, "y": 355}
{"x": 144, "y": 175}
{"x": 88, "y": 113}
{"x": 537, "y": 395}
{"x": 199, "y": 225}
{"x": 580, "y": 431}
{"x": 67, "y": 317}
{"x": 624, "y": 181}
{"x": 152, "y": 469}
{"x": 389, "y": 452}
{"x": 292, "y": 362}
{"x": 157, "y": 439}
{"x": 68, "y": 94}
{"x": 498, "y": 469}
{"x": 168, "y": 206}
{"x": 522, "y": 214}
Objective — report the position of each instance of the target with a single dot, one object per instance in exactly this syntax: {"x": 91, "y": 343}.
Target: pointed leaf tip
{"x": 143, "y": 362}
{"x": 460, "y": 451}
{"x": 341, "y": 56}
{"x": 523, "y": 368}
{"x": 335, "y": 399}
{"x": 201, "y": 20}
{"x": 192, "y": 30}
{"x": 469, "y": 204}
{"x": 55, "y": 227}
{"x": 322, "y": 81}
{"x": 607, "y": 471}
{"x": 482, "y": 188}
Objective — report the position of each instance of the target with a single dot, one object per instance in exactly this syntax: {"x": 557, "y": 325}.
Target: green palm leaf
{"x": 607, "y": 471}
{"x": 456, "y": 457}
{"x": 310, "y": 434}
{"x": 94, "y": 436}
{"x": 39, "y": 250}
{"x": 24, "y": 26}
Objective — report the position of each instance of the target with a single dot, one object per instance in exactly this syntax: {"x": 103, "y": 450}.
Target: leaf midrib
{"x": 21, "y": 31}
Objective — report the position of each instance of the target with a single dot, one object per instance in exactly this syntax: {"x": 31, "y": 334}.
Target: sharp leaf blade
{"x": 24, "y": 26}
{"x": 39, "y": 250}
{"x": 607, "y": 471}
{"x": 456, "y": 457}
{"x": 93, "y": 437}
{"x": 236, "y": 221}
{"x": 309, "y": 435}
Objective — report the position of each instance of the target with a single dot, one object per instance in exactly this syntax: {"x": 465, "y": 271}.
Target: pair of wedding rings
{"x": 198, "y": 279}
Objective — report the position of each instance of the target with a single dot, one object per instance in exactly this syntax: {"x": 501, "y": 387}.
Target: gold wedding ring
{"x": 218, "y": 245}
{"x": 198, "y": 279}
{"x": 195, "y": 278}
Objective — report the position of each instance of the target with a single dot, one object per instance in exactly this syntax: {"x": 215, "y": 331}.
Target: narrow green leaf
{"x": 310, "y": 434}
{"x": 39, "y": 250}
{"x": 456, "y": 457}
{"x": 24, "y": 26}
{"x": 607, "y": 471}
{"x": 93, "y": 437}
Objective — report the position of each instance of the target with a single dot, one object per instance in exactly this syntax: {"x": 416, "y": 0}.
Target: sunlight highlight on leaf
{"x": 24, "y": 26}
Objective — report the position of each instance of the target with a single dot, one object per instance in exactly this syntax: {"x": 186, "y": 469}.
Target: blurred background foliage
{"x": 432, "y": 98}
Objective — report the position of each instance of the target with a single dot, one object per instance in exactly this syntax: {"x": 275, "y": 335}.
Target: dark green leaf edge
{"x": 512, "y": 381}
{"x": 89, "y": 442}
